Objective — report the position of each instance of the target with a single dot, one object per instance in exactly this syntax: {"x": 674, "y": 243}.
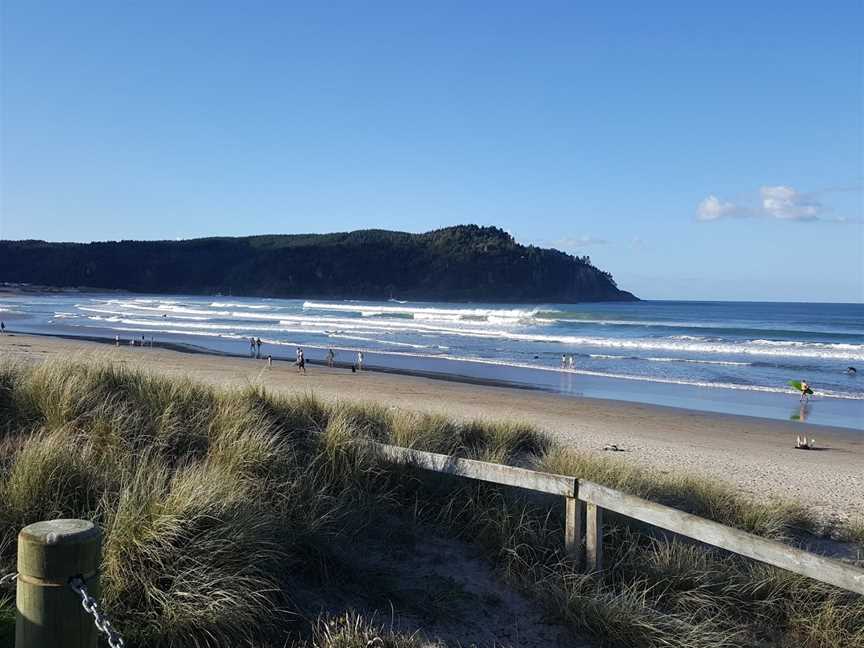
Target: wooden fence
{"x": 585, "y": 498}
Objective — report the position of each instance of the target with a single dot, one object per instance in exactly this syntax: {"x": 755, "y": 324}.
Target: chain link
{"x": 92, "y": 608}
{"x": 8, "y": 580}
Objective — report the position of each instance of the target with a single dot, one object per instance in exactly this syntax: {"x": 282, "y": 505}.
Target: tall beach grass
{"x": 218, "y": 507}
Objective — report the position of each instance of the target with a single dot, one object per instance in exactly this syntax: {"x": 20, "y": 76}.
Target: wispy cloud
{"x": 573, "y": 242}
{"x": 779, "y": 202}
{"x": 712, "y": 208}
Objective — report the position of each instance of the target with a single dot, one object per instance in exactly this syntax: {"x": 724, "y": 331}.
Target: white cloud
{"x": 579, "y": 242}
{"x": 787, "y": 204}
{"x": 779, "y": 202}
{"x": 712, "y": 208}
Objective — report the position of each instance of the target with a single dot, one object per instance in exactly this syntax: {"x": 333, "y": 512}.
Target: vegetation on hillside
{"x": 463, "y": 263}
{"x": 223, "y": 510}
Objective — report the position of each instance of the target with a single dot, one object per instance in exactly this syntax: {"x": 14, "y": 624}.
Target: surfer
{"x": 805, "y": 390}
{"x": 851, "y": 371}
{"x": 563, "y": 361}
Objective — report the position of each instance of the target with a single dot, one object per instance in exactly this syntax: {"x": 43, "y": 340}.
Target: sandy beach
{"x": 756, "y": 455}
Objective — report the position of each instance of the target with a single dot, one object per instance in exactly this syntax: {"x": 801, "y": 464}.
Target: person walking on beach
{"x": 2, "y": 328}
{"x": 563, "y": 361}
{"x": 117, "y": 340}
{"x": 251, "y": 347}
{"x": 359, "y": 361}
{"x": 301, "y": 361}
{"x": 330, "y": 358}
{"x": 258, "y": 348}
{"x": 805, "y": 391}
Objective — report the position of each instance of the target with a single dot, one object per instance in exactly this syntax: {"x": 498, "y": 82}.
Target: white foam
{"x": 482, "y": 323}
{"x": 428, "y": 312}
{"x": 238, "y": 305}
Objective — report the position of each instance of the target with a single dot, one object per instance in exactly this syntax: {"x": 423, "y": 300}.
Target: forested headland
{"x": 461, "y": 263}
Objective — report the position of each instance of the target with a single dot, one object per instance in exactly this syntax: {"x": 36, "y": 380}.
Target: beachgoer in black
{"x": 258, "y": 348}
{"x": 330, "y": 357}
{"x": 301, "y": 362}
{"x": 2, "y": 328}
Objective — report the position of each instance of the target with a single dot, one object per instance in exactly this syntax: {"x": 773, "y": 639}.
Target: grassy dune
{"x": 219, "y": 506}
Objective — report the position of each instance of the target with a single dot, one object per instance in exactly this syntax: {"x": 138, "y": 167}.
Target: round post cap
{"x": 56, "y": 550}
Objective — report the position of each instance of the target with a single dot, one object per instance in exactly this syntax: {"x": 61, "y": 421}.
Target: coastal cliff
{"x": 461, "y": 263}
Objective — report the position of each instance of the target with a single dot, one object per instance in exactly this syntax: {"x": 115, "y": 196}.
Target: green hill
{"x": 462, "y": 263}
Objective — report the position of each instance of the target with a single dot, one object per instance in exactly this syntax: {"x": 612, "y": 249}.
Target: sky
{"x": 694, "y": 150}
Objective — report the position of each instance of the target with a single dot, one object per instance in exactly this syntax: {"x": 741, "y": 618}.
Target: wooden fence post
{"x": 573, "y": 508}
{"x": 594, "y": 537}
{"x": 49, "y": 613}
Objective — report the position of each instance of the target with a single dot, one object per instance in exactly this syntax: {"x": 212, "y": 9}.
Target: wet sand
{"x": 755, "y": 455}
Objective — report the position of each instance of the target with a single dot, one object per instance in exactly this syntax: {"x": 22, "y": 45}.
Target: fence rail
{"x": 589, "y": 499}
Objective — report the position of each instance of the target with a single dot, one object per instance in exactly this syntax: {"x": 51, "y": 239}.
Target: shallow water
{"x": 719, "y": 356}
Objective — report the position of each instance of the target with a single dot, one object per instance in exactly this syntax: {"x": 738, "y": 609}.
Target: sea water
{"x": 733, "y": 357}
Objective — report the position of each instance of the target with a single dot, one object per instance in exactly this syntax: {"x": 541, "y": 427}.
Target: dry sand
{"x": 756, "y": 455}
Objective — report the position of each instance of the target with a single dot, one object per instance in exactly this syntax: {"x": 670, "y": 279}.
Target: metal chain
{"x": 92, "y": 607}
{"x": 8, "y": 580}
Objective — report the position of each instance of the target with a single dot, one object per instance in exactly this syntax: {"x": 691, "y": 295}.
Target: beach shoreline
{"x": 756, "y": 456}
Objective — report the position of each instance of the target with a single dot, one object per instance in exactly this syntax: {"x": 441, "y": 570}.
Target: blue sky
{"x": 694, "y": 150}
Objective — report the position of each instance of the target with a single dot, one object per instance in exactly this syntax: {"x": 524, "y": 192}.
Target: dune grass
{"x": 216, "y": 505}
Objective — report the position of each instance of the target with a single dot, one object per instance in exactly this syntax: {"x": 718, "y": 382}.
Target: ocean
{"x": 734, "y": 357}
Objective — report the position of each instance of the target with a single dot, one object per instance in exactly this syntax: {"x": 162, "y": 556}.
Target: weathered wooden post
{"x": 573, "y": 527}
{"x": 49, "y": 613}
{"x": 594, "y": 537}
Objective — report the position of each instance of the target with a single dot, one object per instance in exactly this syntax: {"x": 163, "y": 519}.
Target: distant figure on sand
{"x": 117, "y": 340}
{"x": 2, "y": 328}
{"x": 258, "y": 348}
{"x": 359, "y": 361}
{"x": 330, "y": 358}
{"x": 269, "y": 361}
{"x": 301, "y": 361}
{"x": 251, "y": 347}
